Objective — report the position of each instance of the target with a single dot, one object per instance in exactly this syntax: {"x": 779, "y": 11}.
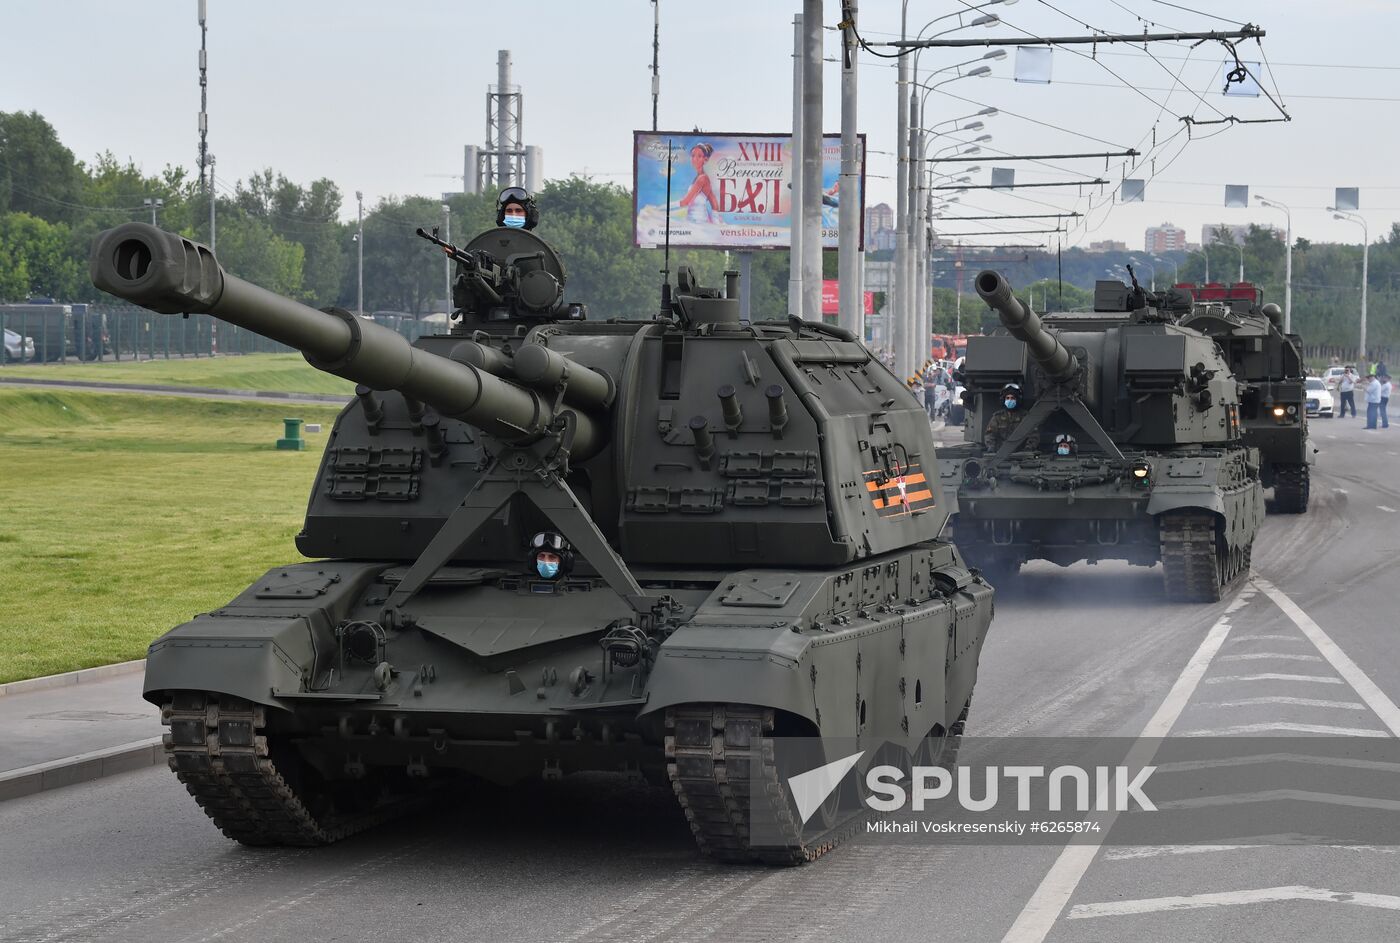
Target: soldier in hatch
{"x": 1005, "y": 420}
{"x": 516, "y": 209}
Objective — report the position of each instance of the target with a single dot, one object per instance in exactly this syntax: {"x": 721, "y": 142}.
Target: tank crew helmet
{"x": 1011, "y": 395}
{"x": 551, "y": 557}
{"x": 1065, "y": 444}
{"x": 516, "y": 209}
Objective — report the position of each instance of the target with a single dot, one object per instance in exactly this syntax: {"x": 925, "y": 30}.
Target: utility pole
{"x": 154, "y": 203}
{"x": 213, "y": 239}
{"x": 851, "y": 306}
{"x": 204, "y": 95}
{"x": 655, "y": 59}
{"x": 794, "y": 160}
{"x": 812, "y": 160}
{"x": 447, "y": 259}
{"x": 900, "y": 310}
{"x": 360, "y": 246}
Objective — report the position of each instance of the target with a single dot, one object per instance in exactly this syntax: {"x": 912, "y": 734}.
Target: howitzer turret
{"x": 173, "y": 275}
{"x": 545, "y": 544}
{"x": 1124, "y": 443}
{"x": 1023, "y": 324}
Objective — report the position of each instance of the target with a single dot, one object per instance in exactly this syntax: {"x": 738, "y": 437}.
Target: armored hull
{"x": 748, "y": 549}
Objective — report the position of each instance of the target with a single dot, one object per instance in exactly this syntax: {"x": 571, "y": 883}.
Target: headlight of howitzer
{"x": 1142, "y": 474}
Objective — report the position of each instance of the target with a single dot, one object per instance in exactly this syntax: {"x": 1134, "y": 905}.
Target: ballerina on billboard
{"x": 699, "y": 201}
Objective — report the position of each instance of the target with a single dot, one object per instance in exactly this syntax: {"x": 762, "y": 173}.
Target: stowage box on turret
{"x": 1111, "y": 435}
{"x": 1270, "y": 364}
{"x": 542, "y": 544}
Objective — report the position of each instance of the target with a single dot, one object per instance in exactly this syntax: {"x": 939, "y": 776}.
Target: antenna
{"x": 666, "y": 257}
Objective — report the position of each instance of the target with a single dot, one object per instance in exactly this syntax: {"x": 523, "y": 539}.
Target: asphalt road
{"x": 1310, "y": 644}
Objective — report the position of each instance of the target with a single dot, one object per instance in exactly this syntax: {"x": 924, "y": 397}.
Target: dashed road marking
{"x": 1374, "y": 697}
{"x": 1264, "y": 638}
{"x": 1274, "y": 676}
{"x": 1038, "y": 916}
{"x": 1281, "y": 795}
{"x": 1263, "y": 895}
{"x": 1281, "y": 656}
{"x": 1386, "y": 509}
{"x": 1244, "y": 730}
{"x": 1299, "y": 701}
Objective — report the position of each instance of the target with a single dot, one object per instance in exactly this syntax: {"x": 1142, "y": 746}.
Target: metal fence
{"x": 1325, "y": 353}
{"x": 61, "y": 334}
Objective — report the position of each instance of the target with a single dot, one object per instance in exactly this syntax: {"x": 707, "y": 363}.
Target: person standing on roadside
{"x": 1346, "y": 387}
{"x": 1373, "y": 402}
{"x": 1385, "y": 400}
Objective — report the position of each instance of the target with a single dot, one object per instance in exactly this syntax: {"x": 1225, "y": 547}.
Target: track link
{"x": 1292, "y": 486}
{"x": 218, "y": 747}
{"x": 711, "y": 750}
{"x": 1197, "y": 566}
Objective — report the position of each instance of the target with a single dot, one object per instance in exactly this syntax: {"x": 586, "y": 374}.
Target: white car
{"x": 1334, "y": 374}
{"x": 17, "y": 348}
{"x": 1319, "y": 398}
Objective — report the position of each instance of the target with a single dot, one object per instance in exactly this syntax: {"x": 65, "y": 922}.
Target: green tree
{"x": 38, "y": 175}
{"x": 39, "y": 261}
{"x": 309, "y": 216}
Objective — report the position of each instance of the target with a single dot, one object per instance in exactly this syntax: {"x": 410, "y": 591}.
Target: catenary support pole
{"x": 812, "y": 160}
{"x": 899, "y": 310}
{"x": 852, "y": 312}
{"x": 795, "y": 162}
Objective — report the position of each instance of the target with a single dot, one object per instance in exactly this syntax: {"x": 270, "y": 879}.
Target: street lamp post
{"x": 154, "y": 203}
{"x": 447, "y": 259}
{"x": 1287, "y": 263}
{"x": 1241, "y": 250}
{"x": 1176, "y": 269}
{"x": 360, "y": 246}
{"x": 1365, "y": 270}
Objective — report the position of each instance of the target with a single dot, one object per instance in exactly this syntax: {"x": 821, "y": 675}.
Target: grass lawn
{"x": 283, "y": 373}
{"x": 124, "y": 515}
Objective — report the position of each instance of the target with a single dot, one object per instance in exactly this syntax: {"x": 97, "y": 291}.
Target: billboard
{"x": 831, "y": 298}
{"x": 728, "y": 191}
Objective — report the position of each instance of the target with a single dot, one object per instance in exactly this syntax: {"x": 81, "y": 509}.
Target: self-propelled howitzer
{"x": 1125, "y": 444}
{"x": 544, "y": 544}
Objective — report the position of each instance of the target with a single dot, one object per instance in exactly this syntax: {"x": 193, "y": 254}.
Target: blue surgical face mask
{"x": 515, "y": 222}
{"x": 1009, "y": 403}
{"x": 1062, "y": 450}
{"x": 546, "y": 569}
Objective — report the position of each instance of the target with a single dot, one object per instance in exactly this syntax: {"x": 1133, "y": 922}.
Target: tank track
{"x": 1196, "y": 566}
{"x": 218, "y": 747}
{"x": 1292, "y": 485}
{"x": 710, "y": 752}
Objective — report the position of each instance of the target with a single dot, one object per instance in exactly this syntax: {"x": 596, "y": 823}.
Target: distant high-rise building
{"x": 1108, "y": 245}
{"x": 879, "y": 227}
{"x": 1165, "y": 238}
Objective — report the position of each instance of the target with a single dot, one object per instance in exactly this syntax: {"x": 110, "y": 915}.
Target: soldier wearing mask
{"x": 1005, "y": 420}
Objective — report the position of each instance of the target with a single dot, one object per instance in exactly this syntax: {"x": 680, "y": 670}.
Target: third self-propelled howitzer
{"x": 1269, "y": 363}
{"x": 1114, "y": 434}
{"x": 540, "y": 544}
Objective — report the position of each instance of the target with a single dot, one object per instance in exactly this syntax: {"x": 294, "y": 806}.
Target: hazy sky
{"x": 382, "y": 97}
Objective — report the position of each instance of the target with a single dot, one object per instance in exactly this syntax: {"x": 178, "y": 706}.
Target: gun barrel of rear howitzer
{"x": 169, "y": 274}
{"x": 1023, "y": 324}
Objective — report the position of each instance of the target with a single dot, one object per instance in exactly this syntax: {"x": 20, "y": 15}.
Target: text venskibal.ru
{"x": 1063, "y": 788}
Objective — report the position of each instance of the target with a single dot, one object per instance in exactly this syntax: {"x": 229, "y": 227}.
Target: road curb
{"x": 71, "y": 770}
{"x": 67, "y": 678}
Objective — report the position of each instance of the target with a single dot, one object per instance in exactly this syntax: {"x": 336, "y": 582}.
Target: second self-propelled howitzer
{"x": 540, "y": 544}
{"x": 1114, "y": 434}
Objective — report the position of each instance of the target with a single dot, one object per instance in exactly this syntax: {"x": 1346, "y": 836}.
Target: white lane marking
{"x": 1276, "y": 727}
{"x": 1038, "y": 917}
{"x": 1300, "y": 701}
{"x": 1340, "y": 490}
{"x": 1386, "y": 509}
{"x": 1259, "y": 656}
{"x": 1263, "y": 895}
{"x": 1264, "y": 638}
{"x": 1278, "y": 795}
{"x": 1273, "y": 676}
{"x": 1259, "y": 759}
{"x": 1128, "y": 853}
{"x": 1374, "y": 697}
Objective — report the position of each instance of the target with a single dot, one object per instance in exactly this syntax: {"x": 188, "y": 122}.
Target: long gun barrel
{"x": 1022, "y": 323}
{"x": 169, "y": 274}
